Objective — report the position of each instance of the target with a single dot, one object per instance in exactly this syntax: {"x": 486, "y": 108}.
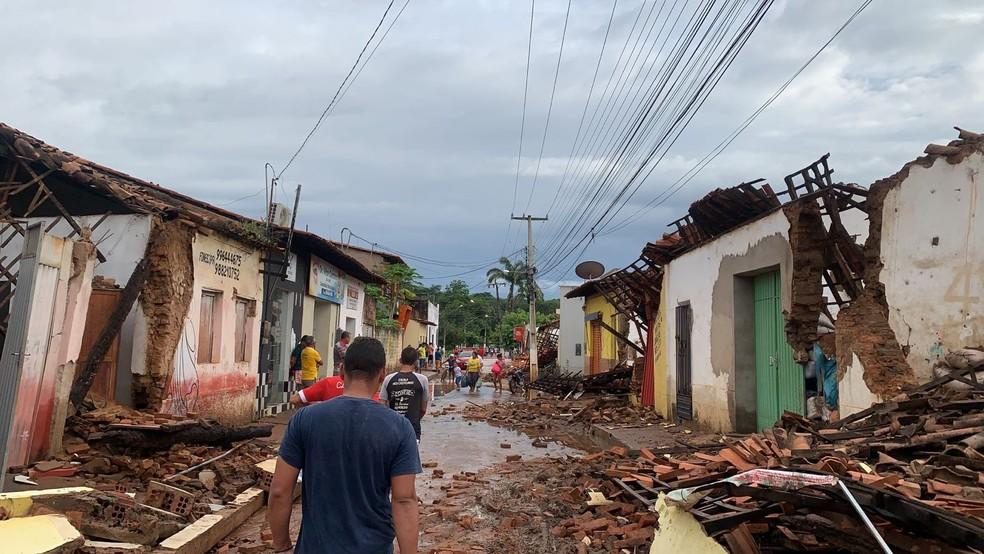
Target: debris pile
{"x": 142, "y": 482}
{"x": 544, "y": 411}
{"x": 913, "y": 464}
{"x": 132, "y": 429}
{"x": 617, "y": 381}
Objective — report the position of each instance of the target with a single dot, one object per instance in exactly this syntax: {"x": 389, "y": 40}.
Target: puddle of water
{"x": 458, "y": 444}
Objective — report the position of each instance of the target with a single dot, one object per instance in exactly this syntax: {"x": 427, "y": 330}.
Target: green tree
{"x": 509, "y": 274}
{"x": 402, "y": 284}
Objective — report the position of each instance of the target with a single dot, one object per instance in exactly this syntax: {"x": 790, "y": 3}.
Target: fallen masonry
{"x": 153, "y": 482}
{"x": 912, "y": 466}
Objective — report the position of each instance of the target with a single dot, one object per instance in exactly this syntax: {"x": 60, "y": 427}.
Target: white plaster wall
{"x": 224, "y": 389}
{"x": 933, "y": 254}
{"x": 691, "y": 278}
{"x": 122, "y": 239}
{"x": 433, "y": 314}
{"x": 358, "y": 288}
{"x": 854, "y": 394}
{"x": 571, "y": 331}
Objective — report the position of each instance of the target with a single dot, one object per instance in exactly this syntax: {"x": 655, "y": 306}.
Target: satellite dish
{"x": 589, "y": 270}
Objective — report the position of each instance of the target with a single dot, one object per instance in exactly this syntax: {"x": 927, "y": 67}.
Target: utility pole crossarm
{"x": 531, "y": 294}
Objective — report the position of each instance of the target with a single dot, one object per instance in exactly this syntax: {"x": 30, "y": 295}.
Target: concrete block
{"x": 47, "y": 534}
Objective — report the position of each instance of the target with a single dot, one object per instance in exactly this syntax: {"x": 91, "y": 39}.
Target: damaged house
{"x": 882, "y": 281}
{"x": 140, "y": 295}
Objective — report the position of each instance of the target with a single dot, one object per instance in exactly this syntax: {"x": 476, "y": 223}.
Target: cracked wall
{"x": 933, "y": 260}
{"x": 164, "y": 303}
{"x": 863, "y": 328}
{"x": 807, "y": 239}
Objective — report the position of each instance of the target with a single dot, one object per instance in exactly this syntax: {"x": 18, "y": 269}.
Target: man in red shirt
{"x": 324, "y": 389}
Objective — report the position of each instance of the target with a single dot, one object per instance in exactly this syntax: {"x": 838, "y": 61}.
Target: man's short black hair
{"x": 409, "y": 356}
{"x": 365, "y": 359}
{"x": 345, "y": 335}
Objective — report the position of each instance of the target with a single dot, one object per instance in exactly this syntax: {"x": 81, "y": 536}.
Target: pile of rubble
{"x": 913, "y": 465}
{"x": 617, "y": 381}
{"x": 145, "y": 478}
{"x": 544, "y": 411}
{"x": 135, "y": 430}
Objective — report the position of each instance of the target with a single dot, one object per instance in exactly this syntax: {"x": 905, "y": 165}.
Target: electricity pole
{"x": 531, "y": 292}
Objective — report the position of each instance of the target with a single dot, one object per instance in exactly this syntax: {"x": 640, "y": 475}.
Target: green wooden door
{"x": 778, "y": 379}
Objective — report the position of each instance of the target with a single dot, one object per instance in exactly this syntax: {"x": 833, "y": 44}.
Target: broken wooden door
{"x": 779, "y": 382}
{"x": 595, "y": 361}
{"x": 684, "y": 381}
{"x": 101, "y": 306}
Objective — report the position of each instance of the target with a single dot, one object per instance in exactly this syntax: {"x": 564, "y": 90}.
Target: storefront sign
{"x": 519, "y": 333}
{"x": 351, "y": 297}
{"x": 325, "y": 281}
{"x": 225, "y": 262}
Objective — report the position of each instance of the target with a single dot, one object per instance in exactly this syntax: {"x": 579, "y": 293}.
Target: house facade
{"x": 751, "y": 282}
{"x": 571, "y": 337}
{"x": 317, "y": 292}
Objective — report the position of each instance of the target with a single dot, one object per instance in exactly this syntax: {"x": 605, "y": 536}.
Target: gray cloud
{"x": 421, "y": 154}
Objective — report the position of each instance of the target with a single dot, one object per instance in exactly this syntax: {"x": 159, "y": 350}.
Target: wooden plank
{"x": 202, "y": 535}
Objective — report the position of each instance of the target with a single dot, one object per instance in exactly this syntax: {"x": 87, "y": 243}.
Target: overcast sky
{"x": 420, "y": 155}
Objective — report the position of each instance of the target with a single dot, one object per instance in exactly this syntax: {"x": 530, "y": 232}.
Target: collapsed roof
{"x": 55, "y": 182}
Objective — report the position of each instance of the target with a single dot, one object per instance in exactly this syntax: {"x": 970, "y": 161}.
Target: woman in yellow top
{"x": 310, "y": 362}
{"x": 474, "y": 368}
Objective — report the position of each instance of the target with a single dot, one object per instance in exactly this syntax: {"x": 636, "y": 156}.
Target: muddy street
{"x": 452, "y": 448}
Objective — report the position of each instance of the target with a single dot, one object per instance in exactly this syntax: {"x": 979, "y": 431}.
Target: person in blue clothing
{"x": 356, "y": 454}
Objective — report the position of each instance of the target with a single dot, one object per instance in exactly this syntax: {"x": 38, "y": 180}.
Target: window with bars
{"x": 208, "y": 327}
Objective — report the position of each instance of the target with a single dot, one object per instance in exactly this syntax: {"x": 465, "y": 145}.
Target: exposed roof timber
{"x": 136, "y": 195}
{"x": 41, "y": 160}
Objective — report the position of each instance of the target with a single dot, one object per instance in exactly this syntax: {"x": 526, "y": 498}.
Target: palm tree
{"x": 507, "y": 274}
{"x": 522, "y": 283}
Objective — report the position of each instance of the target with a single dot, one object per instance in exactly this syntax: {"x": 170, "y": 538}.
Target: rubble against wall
{"x": 807, "y": 238}
{"x": 165, "y": 301}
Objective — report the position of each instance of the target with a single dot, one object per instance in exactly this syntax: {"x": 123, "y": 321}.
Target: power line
{"x": 721, "y": 146}
{"x": 638, "y": 133}
{"x": 680, "y": 117}
{"x": 553, "y": 90}
{"x": 522, "y": 126}
{"x": 634, "y": 153}
{"x": 710, "y": 82}
{"x": 579, "y": 151}
{"x": 476, "y": 265}
{"x": 587, "y": 102}
{"x": 373, "y": 51}
{"x": 339, "y": 91}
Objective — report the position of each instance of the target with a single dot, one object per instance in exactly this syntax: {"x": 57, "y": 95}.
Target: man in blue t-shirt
{"x": 354, "y": 452}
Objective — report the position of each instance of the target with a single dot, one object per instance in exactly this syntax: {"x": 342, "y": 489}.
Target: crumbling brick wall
{"x": 164, "y": 300}
{"x": 807, "y": 238}
{"x": 862, "y": 327}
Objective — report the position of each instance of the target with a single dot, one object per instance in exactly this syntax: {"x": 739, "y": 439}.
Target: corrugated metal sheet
{"x": 15, "y": 343}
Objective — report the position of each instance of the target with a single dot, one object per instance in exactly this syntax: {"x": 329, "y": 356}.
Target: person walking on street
{"x": 422, "y": 356}
{"x": 310, "y": 362}
{"x": 295, "y": 357}
{"x": 474, "y": 369}
{"x": 497, "y": 369}
{"x": 325, "y": 389}
{"x": 340, "y": 347}
{"x": 437, "y": 358}
{"x": 360, "y": 463}
{"x": 406, "y": 391}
